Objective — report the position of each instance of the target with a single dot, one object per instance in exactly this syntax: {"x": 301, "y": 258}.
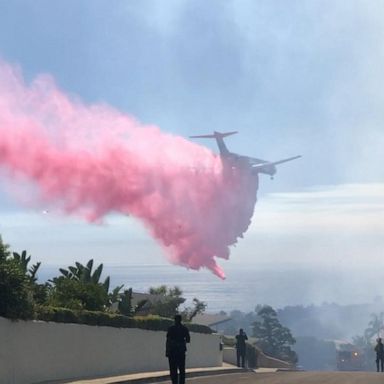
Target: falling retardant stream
{"x": 92, "y": 160}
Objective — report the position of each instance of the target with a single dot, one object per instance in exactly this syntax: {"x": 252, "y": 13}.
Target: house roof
{"x": 210, "y": 319}
{"x": 137, "y": 297}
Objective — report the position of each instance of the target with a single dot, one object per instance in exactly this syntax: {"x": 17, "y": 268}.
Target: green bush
{"x": 154, "y": 323}
{"x": 77, "y": 295}
{"x": 15, "y": 296}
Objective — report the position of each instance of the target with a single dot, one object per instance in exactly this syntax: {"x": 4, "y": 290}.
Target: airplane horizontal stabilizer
{"x": 215, "y": 135}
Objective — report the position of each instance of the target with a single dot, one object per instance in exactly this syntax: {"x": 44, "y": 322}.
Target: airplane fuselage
{"x": 241, "y": 161}
{"x": 232, "y": 160}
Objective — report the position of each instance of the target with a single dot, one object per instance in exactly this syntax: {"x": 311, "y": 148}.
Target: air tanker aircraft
{"x": 239, "y": 161}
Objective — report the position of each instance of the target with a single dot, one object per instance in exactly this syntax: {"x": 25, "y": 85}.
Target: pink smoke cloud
{"x": 91, "y": 160}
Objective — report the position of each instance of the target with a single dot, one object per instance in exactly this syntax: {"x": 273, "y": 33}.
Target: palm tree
{"x": 375, "y": 326}
{"x": 4, "y": 250}
{"x": 23, "y": 262}
{"x": 84, "y": 274}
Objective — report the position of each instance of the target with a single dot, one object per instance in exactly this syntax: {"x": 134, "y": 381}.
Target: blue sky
{"x": 297, "y": 77}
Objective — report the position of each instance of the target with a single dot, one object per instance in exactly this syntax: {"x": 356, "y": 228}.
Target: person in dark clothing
{"x": 177, "y": 338}
{"x": 379, "y": 349}
{"x": 241, "y": 348}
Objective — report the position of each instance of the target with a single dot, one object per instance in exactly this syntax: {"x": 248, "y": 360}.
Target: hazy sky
{"x": 293, "y": 77}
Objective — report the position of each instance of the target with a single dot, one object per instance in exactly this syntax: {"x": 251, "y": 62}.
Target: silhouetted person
{"x": 379, "y": 349}
{"x": 177, "y": 338}
{"x": 241, "y": 347}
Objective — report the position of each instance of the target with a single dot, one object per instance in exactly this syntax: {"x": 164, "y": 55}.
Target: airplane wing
{"x": 285, "y": 160}
{"x": 261, "y": 163}
{"x": 253, "y": 161}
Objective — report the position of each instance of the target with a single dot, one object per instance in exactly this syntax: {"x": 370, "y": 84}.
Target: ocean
{"x": 247, "y": 286}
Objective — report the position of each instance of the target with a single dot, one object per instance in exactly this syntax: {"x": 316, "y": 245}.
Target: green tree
{"x": 15, "y": 301}
{"x": 366, "y": 342}
{"x": 85, "y": 274}
{"x": 4, "y": 250}
{"x": 39, "y": 291}
{"x": 114, "y": 297}
{"x": 79, "y": 287}
{"x": 272, "y": 337}
{"x": 75, "y": 294}
{"x": 15, "y": 297}
{"x": 190, "y": 312}
{"x": 125, "y": 304}
{"x": 375, "y": 326}
{"x": 168, "y": 301}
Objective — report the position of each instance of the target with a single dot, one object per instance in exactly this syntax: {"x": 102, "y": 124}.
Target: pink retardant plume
{"x": 91, "y": 160}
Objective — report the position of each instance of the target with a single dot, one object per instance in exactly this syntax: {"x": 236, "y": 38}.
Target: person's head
{"x": 379, "y": 340}
{"x": 241, "y": 331}
{"x": 177, "y": 319}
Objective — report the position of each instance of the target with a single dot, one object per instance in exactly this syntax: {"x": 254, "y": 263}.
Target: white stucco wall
{"x": 263, "y": 361}
{"x": 229, "y": 355}
{"x": 32, "y": 352}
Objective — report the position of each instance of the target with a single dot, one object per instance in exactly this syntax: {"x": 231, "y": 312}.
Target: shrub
{"x": 15, "y": 297}
{"x": 154, "y": 323}
{"x": 77, "y": 295}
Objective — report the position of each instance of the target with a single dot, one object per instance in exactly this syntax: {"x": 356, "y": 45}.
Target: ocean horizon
{"x": 247, "y": 286}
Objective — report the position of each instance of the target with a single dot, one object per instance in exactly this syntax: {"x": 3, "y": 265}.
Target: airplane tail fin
{"x": 219, "y": 140}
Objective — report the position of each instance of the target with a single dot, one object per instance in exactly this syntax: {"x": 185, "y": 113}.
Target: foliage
{"x": 125, "y": 305}
{"x": 14, "y": 292}
{"x": 328, "y": 321}
{"x": 375, "y": 326}
{"x": 15, "y": 301}
{"x": 23, "y": 262}
{"x": 366, "y": 342}
{"x": 64, "y": 315}
{"x": 39, "y": 292}
{"x": 84, "y": 274}
{"x": 190, "y": 312}
{"x": 77, "y": 294}
{"x": 114, "y": 297}
{"x": 239, "y": 320}
{"x": 273, "y": 338}
{"x": 4, "y": 250}
{"x": 168, "y": 302}
{"x": 79, "y": 287}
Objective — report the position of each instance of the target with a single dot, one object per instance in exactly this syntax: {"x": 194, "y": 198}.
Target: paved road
{"x": 292, "y": 378}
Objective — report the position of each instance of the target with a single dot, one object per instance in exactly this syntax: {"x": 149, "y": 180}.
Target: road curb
{"x": 165, "y": 377}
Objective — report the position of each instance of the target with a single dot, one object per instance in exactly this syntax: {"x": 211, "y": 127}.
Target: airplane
{"x": 237, "y": 161}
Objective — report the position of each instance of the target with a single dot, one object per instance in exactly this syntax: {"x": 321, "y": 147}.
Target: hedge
{"x": 153, "y": 323}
